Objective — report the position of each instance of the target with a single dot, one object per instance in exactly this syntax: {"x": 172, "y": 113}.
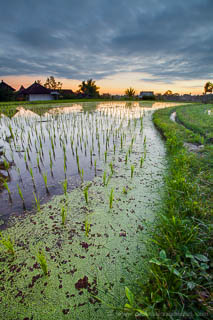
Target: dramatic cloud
{"x": 166, "y": 40}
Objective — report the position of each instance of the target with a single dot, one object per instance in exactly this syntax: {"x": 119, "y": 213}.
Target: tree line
{"x": 87, "y": 89}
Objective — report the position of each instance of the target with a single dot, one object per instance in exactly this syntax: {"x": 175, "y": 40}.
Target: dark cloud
{"x": 168, "y": 40}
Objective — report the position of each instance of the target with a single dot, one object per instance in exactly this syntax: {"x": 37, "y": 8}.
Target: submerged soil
{"x": 82, "y": 265}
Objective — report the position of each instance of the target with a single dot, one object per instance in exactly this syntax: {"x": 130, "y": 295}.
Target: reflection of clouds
{"x": 160, "y": 105}
{"x": 62, "y": 110}
{"x": 25, "y": 113}
{"x": 133, "y": 109}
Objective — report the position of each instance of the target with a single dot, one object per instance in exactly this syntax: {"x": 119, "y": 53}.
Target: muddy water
{"x": 112, "y": 253}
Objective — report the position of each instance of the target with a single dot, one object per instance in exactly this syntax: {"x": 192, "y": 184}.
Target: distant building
{"x": 37, "y": 92}
{"x": 6, "y": 87}
{"x": 20, "y": 94}
{"x": 146, "y": 94}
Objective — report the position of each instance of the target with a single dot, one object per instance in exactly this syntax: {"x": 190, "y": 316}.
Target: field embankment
{"x": 180, "y": 283}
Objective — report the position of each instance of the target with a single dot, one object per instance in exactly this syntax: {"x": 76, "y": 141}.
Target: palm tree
{"x": 208, "y": 87}
{"x": 130, "y": 92}
{"x": 89, "y": 89}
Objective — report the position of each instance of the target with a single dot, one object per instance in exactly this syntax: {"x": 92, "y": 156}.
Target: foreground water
{"x": 55, "y": 146}
{"x": 99, "y": 250}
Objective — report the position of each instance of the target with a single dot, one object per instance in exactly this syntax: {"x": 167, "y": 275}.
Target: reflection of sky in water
{"x": 69, "y": 130}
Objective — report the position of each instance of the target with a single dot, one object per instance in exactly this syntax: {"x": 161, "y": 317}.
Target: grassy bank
{"x": 180, "y": 278}
{"x": 198, "y": 119}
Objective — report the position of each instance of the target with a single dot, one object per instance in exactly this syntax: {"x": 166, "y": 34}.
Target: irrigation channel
{"x": 99, "y": 166}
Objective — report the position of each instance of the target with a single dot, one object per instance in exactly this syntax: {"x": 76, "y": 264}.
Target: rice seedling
{"x": 141, "y": 162}
{"x": 11, "y": 132}
{"x": 85, "y": 191}
{"x": 37, "y": 201}
{"x": 132, "y": 170}
{"x": 121, "y": 142}
{"x": 124, "y": 190}
{"x": 87, "y": 228}
{"x": 95, "y": 162}
{"x": 51, "y": 164}
{"x": 104, "y": 178}
{"x": 114, "y": 148}
{"x": 63, "y": 214}
{"x": 78, "y": 165}
{"x": 111, "y": 167}
{"x": 42, "y": 261}
{"x": 45, "y": 181}
{"x": 32, "y": 176}
{"x": 7, "y": 188}
{"x": 132, "y": 142}
{"x": 82, "y": 174}
{"x": 38, "y": 162}
{"x": 105, "y": 156}
{"x": 141, "y": 121}
{"x": 7, "y": 243}
{"x": 6, "y": 166}
{"x": 20, "y": 194}
{"x": 126, "y": 158}
{"x": 111, "y": 198}
{"x": 52, "y": 144}
{"x": 65, "y": 186}
{"x": 91, "y": 156}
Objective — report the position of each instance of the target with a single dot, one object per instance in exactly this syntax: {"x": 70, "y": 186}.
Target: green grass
{"x": 180, "y": 278}
{"x": 197, "y": 119}
{"x": 168, "y": 127}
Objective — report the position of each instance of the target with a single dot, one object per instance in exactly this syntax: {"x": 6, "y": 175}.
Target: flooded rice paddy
{"x": 63, "y": 146}
{"x": 101, "y": 248}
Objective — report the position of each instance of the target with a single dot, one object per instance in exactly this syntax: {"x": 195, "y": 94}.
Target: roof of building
{"x": 21, "y": 89}
{"x": 5, "y": 86}
{"x": 36, "y": 88}
{"x": 142, "y": 92}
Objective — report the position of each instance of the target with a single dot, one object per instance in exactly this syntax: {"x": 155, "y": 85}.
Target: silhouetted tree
{"x": 52, "y": 84}
{"x": 208, "y": 87}
{"x": 89, "y": 89}
{"x": 130, "y": 92}
{"x": 6, "y": 95}
{"x": 168, "y": 93}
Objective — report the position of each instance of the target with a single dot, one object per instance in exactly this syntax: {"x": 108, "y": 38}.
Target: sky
{"x": 152, "y": 45}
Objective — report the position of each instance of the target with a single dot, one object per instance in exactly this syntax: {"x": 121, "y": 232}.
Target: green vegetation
{"x": 180, "y": 278}
{"x": 81, "y": 256}
{"x": 87, "y": 228}
{"x": 7, "y": 243}
{"x": 63, "y": 214}
{"x": 111, "y": 198}
{"x": 132, "y": 170}
{"x": 37, "y": 201}
{"x": 198, "y": 118}
{"x": 42, "y": 261}
{"x": 86, "y": 194}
